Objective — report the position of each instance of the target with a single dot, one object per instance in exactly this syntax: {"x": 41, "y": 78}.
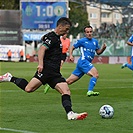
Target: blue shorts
{"x": 83, "y": 67}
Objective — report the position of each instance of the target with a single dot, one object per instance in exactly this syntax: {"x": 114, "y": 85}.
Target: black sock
{"x": 66, "y": 102}
{"x": 21, "y": 83}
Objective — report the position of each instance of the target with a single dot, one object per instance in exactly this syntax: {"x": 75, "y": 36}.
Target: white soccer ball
{"x": 106, "y": 111}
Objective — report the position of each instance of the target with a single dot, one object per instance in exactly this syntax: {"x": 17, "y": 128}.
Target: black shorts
{"x": 50, "y": 77}
{"x": 63, "y": 56}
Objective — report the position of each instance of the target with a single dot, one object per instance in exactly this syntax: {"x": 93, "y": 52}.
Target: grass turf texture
{"x": 42, "y": 113}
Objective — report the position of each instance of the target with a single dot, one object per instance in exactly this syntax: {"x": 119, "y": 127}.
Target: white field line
{"x": 15, "y": 130}
{"x": 10, "y": 91}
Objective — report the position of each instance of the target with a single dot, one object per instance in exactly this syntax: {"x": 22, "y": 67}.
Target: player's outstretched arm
{"x": 100, "y": 51}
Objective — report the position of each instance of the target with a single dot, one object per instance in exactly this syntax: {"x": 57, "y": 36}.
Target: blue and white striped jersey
{"x": 87, "y": 48}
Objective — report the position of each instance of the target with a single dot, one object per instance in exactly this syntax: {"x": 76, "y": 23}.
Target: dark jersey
{"x": 52, "y": 58}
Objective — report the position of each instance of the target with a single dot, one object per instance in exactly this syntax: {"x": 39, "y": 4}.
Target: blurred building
{"x": 102, "y": 13}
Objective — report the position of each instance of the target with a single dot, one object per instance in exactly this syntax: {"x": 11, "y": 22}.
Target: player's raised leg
{"x": 21, "y": 82}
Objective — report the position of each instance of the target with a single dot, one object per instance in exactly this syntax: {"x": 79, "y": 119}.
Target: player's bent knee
{"x": 96, "y": 76}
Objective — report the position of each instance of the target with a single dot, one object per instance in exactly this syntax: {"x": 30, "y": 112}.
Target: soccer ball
{"x": 106, "y": 111}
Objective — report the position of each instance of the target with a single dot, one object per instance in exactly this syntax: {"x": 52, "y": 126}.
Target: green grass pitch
{"x": 39, "y": 113}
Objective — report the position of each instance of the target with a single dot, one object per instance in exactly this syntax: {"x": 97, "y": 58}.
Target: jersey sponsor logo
{"x": 91, "y": 50}
{"x": 90, "y": 57}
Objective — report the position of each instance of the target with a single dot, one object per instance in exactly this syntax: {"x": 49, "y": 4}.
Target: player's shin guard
{"x": 66, "y": 102}
{"x": 21, "y": 83}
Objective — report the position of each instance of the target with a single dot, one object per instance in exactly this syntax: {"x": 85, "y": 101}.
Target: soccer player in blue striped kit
{"x": 130, "y": 66}
{"x": 88, "y": 46}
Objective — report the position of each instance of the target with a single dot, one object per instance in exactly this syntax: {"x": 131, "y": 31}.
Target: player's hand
{"x": 104, "y": 46}
{"x": 39, "y": 68}
{"x": 71, "y": 58}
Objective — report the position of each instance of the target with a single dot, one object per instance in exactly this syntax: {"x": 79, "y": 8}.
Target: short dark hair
{"x": 87, "y": 27}
{"x": 64, "y": 21}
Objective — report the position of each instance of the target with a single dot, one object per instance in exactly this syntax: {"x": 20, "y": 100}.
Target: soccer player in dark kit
{"x": 48, "y": 69}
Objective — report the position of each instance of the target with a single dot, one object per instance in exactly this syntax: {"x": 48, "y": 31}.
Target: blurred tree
{"x": 78, "y": 16}
{"x": 9, "y": 4}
